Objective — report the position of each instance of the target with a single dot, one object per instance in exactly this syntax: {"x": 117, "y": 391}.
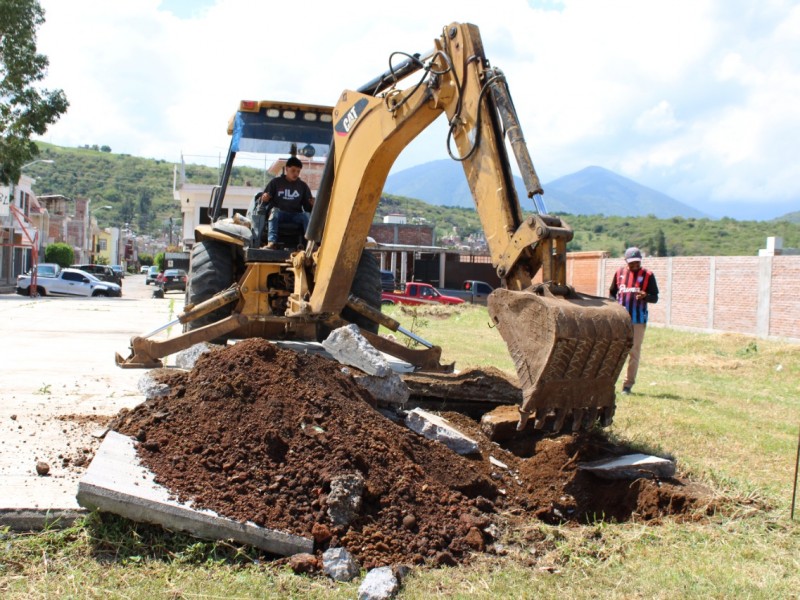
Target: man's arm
{"x": 612, "y": 291}
{"x": 651, "y": 291}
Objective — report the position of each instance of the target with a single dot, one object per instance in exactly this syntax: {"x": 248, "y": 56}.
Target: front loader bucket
{"x": 568, "y": 352}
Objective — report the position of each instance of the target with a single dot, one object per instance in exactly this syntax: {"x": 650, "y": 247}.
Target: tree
{"x": 662, "y": 244}
{"x": 59, "y": 253}
{"x": 25, "y": 110}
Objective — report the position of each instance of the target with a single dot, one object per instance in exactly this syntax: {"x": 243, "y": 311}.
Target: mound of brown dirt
{"x": 257, "y": 433}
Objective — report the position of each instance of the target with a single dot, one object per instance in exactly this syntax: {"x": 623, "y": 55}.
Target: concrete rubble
{"x": 349, "y": 347}
{"x": 379, "y": 584}
{"x": 438, "y": 429}
{"x": 339, "y": 564}
{"x": 186, "y": 359}
{"x": 390, "y": 389}
{"x": 344, "y": 499}
{"x": 631, "y": 466}
{"x": 149, "y": 387}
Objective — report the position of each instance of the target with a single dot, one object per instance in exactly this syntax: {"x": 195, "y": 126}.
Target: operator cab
{"x": 263, "y": 135}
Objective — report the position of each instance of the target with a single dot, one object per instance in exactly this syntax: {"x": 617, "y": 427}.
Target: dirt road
{"x": 60, "y": 383}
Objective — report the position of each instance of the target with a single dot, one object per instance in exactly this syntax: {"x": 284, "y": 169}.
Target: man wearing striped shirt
{"x": 634, "y": 287}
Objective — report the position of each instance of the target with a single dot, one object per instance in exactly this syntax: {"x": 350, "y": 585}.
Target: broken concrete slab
{"x": 500, "y": 424}
{"x": 348, "y": 346}
{"x": 476, "y": 384}
{"x": 116, "y": 482}
{"x": 379, "y": 584}
{"x": 631, "y": 466}
{"x": 440, "y": 430}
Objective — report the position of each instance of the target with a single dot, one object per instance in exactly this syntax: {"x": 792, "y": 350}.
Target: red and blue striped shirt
{"x": 627, "y": 284}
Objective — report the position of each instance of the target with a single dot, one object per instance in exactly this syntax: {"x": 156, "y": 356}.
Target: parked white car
{"x": 68, "y": 282}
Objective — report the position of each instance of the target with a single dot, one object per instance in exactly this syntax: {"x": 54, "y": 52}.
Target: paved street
{"x": 60, "y": 384}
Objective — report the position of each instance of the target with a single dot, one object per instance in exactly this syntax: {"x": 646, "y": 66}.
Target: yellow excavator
{"x": 568, "y": 348}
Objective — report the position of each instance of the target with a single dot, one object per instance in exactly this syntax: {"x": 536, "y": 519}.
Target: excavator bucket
{"x": 568, "y": 352}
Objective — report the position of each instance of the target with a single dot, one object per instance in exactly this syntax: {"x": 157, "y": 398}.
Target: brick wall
{"x": 784, "y": 317}
{"x": 583, "y": 269}
{"x": 753, "y": 295}
{"x": 736, "y": 294}
{"x": 396, "y": 233}
{"x": 687, "y": 293}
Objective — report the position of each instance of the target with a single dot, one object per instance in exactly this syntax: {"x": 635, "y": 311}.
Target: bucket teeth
{"x": 568, "y": 352}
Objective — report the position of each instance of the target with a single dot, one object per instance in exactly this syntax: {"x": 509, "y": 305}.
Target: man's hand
{"x": 264, "y": 198}
{"x": 640, "y": 295}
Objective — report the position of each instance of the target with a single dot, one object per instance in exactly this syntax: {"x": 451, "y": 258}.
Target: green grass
{"x": 727, "y": 407}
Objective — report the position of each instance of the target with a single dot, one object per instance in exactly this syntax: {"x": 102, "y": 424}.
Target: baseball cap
{"x": 633, "y": 254}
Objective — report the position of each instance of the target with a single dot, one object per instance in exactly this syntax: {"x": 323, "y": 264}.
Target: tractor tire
{"x": 367, "y": 286}
{"x": 211, "y": 271}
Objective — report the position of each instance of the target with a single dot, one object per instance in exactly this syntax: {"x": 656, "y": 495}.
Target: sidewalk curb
{"x": 31, "y": 519}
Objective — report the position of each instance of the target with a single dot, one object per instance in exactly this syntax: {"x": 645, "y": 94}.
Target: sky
{"x": 698, "y": 99}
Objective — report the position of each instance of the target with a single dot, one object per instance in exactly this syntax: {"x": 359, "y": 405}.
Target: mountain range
{"x": 590, "y": 191}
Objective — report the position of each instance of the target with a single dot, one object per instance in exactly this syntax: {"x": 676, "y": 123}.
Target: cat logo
{"x": 345, "y": 124}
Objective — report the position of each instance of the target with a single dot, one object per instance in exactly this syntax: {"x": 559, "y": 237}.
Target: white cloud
{"x": 682, "y": 95}
{"x": 659, "y": 119}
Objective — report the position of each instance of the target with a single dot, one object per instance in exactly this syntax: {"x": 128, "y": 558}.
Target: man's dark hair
{"x": 293, "y": 161}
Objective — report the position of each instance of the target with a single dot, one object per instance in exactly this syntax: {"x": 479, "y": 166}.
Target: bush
{"x": 60, "y": 253}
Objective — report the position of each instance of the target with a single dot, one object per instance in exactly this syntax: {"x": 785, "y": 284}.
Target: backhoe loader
{"x": 568, "y": 348}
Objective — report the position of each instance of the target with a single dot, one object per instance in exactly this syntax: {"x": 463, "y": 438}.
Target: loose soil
{"x": 257, "y": 433}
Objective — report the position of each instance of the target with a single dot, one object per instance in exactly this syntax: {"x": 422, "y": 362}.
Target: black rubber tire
{"x": 211, "y": 271}
{"x": 367, "y": 286}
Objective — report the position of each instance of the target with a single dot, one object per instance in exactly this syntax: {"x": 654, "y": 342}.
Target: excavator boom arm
{"x": 568, "y": 348}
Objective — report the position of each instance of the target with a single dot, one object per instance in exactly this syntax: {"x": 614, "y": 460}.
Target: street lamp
{"x": 105, "y": 207}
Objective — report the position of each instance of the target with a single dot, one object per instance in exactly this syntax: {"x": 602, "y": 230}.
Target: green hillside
{"x": 677, "y": 236}
{"x": 140, "y": 192}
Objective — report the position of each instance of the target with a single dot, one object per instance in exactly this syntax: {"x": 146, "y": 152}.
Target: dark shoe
{"x": 626, "y": 391}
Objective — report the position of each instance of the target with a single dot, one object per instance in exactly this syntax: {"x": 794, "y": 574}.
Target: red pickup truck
{"x": 418, "y": 293}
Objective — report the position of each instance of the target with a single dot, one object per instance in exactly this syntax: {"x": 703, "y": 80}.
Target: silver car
{"x": 68, "y": 282}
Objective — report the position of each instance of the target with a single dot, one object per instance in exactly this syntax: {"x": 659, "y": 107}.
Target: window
{"x": 69, "y": 276}
{"x": 102, "y": 245}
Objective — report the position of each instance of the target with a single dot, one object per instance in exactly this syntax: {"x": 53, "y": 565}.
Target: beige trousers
{"x": 635, "y": 355}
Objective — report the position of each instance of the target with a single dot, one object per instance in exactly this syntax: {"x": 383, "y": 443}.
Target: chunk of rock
{"x": 186, "y": 359}
{"x": 151, "y": 388}
{"x": 379, "y": 584}
{"x": 631, "y": 466}
{"x": 42, "y": 469}
{"x": 304, "y": 563}
{"x": 339, "y": 564}
{"x": 390, "y": 389}
{"x": 349, "y": 347}
{"x": 438, "y": 429}
{"x": 344, "y": 501}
